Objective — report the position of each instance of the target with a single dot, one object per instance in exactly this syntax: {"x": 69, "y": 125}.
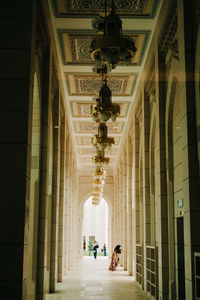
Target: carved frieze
{"x": 149, "y": 86}
{"x": 138, "y": 112}
{"x": 42, "y": 36}
{"x": 78, "y": 7}
{"x": 168, "y": 38}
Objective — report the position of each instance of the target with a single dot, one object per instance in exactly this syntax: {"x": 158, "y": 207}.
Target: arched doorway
{"x": 95, "y": 225}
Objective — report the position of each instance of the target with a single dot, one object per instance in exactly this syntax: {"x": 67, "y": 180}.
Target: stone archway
{"x": 80, "y": 213}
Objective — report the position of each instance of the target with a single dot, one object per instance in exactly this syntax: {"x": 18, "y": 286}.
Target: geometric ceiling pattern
{"x": 64, "y": 8}
{"x": 82, "y": 109}
{"x": 75, "y": 25}
{"x": 89, "y": 85}
{"x": 91, "y": 127}
{"x": 75, "y": 45}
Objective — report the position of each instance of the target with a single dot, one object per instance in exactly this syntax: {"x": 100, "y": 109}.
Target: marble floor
{"x": 90, "y": 279}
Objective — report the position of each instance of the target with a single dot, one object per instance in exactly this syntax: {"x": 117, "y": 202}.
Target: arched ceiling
{"x": 72, "y": 24}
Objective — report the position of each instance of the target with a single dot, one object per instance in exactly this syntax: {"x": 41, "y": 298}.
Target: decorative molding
{"x": 149, "y": 86}
{"x": 74, "y": 8}
{"x": 89, "y": 85}
{"x": 75, "y": 45}
{"x": 35, "y": 162}
{"x": 82, "y": 109}
{"x": 91, "y": 127}
{"x": 169, "y": 33}
{"x": 138, "y": 111}
{"x": 42, "y": 36}
{"x": 54, "y": 80}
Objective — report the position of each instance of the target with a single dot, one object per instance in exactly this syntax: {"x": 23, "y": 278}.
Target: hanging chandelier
{"x": 100, "y": 158}
{"x": 101, "y": 141}
{"x": 106, "y": 50}
{"x": 104, "y": 109}
{"x": 112, "y": 47}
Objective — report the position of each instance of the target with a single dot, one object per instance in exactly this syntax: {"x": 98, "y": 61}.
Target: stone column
{"x": 70, "y": 208}
{"x": 66, "y": 211}
{"x": 146, "y": 191}
{"x": 135, "y": 193}
{"x": 114, "y": 214}
{"x": 16, "y": 85}
{"x": 118, "y": 207}
{"x": 44, "y": 232}
{"x": 55, "y": 192}
{"x": 161, "y": 187}
{"x": 191, "y": 187}
{"x": 61, "y": 241}
{"x": 121, "y": 221}
{"x": 125, "y": 208}
{"x": 129, "y": 209}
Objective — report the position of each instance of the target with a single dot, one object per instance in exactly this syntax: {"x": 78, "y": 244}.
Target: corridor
{"x": 100, "y": 104}
{"x": 90, "y": 279}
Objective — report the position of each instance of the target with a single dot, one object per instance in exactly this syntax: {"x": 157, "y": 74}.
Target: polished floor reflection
{"x": 91, "y": 280}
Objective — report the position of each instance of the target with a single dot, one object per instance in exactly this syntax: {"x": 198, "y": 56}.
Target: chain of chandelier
{"x": 107, "y": 50}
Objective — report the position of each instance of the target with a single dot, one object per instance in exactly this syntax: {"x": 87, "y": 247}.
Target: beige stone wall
{"x": 165, "y": 162}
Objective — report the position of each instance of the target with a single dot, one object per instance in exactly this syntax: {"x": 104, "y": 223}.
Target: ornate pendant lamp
{"x": 107, "y": 50}
{"x": 111, "y": 47}
{"x": 104, "y": 109}
{"x": 101, "y": 141}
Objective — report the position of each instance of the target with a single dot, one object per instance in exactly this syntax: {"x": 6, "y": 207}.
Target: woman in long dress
{"x": 115, "y": 258}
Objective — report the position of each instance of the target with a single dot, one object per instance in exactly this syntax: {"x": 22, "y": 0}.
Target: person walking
{"x": 104, "y": 249}
{"x": 95, "y": 247}
{"x": 115, "y": 258}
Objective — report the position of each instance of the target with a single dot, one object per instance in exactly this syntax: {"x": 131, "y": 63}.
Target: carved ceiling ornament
{"x": 54, "y": 80}
{"x": 89, "y": 85}
{"x": 149, "y": 86}
{"x": 42, "y": 36}
{"x": 138, "y": 112}
{"x": 125, "y": 7}
{"x": 83, "y": 109}
{"x": 168, "y": 38}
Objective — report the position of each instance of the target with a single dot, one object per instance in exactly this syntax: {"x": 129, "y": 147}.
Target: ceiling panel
{"x": 82, "y": 109}
{"x": 89, "y": 85}
{"x": 91, "y": 127}
{"x": 75, "y": 45}
{"x": 75, "y": 25}
{"x": 66, "y": 8}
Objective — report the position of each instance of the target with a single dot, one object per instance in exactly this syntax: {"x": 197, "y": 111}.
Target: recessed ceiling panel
{"x": 85, "y": 140}
{"x": 70, "y": 8}
{"x": 82, "y": 109}
{"x": 89, "y": 85}
{"x": 75, "y": 45}
{"x": 91, "y": 151}
{"x": 91, "y": 127}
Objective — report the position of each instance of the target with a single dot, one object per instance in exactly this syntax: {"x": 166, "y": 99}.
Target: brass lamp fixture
{"x": 99, "y": 173}
{"x": 111, "y": 47}
{"x": 100, "y": 158}
{"x": 107, "y": 50}
{"x": 101, "y": 141}
{"x": 98, "y": 182}
{"x": 104, "y": 109}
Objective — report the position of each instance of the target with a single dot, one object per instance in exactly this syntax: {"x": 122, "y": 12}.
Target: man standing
{"x": 95, "y": 246}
